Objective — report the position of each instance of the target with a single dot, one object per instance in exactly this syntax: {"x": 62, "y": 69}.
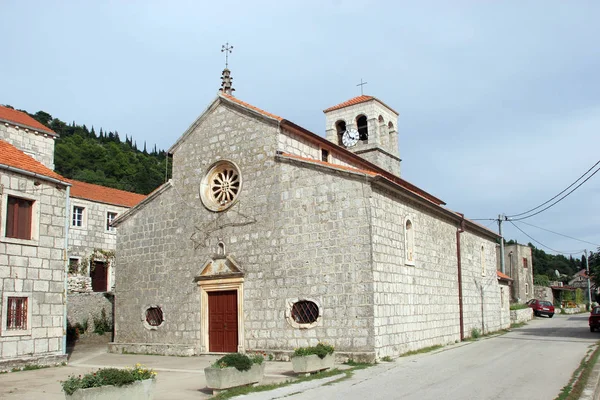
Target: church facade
{"x": 269, "y": 237}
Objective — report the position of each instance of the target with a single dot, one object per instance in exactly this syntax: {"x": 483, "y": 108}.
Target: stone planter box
{"x": 226, "y": 378}
{"x": 312, "y": 363}
{"x": 139, "y": 390}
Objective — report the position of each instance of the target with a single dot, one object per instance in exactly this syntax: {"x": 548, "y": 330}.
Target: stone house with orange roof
{"x": 33, "y": 240}
{"x": 270, "y": 237}
{"x": 86, "y": 258}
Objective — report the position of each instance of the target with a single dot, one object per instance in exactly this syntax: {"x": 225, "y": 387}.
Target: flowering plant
{"x": 107, "y": 376}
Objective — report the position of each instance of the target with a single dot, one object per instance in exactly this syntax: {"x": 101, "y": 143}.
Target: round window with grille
{"x": 221, "y": 186}
{"x": 303, "y": 313}
{"x": 153, "y": 317}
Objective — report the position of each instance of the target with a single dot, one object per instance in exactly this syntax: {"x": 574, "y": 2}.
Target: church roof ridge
{"x": 357, "y": 100}
{"x": 250, "y": 106}
{"x": 22, "y": 119}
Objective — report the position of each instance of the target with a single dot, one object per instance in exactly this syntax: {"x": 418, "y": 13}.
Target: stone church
{"x": 270, "y": 237}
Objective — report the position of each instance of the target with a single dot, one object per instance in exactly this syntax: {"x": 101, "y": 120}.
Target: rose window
{"x": 221, "y": 186}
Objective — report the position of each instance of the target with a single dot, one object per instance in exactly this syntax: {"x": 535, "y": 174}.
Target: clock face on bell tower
{"x": 350, "y": 137}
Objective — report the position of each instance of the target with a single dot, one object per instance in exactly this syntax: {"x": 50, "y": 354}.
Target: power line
{"x": 567, "y": 188}
{"x": 560, "y": 234}
{"x": 559, "y": 200}
{"x": 542, "y": 244}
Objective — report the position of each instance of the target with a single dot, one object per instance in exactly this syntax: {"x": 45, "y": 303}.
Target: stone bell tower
{"x": 367, "y": 127}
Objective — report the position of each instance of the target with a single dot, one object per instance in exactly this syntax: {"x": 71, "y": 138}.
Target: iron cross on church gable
{"x": 361, "y": 84}
{"x": 227, "y": 49}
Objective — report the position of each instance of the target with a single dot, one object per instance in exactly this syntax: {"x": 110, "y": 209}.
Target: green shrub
{"x": 475, "y": 333}
{"x": 106, "y": 377}
{"x": 518, "y": 306}
{"x": 541, "y": 280}
{"x": 578, "y": 296}
{"x": 102, "y": 324}
{"x": 241, "y": 362}
{"x": 320, "y": 350}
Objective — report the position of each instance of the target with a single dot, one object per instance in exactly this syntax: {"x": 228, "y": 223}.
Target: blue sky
{"x": 499, "y": 102}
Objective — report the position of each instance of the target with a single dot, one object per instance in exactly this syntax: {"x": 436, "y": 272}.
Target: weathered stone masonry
{"x": 300, "y": 230}
{"x": 34, "y": 268}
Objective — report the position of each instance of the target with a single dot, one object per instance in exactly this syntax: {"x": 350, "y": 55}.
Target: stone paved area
{"x": 178, "y": 377}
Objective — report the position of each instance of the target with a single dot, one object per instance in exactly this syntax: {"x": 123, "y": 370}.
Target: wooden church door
{"x": 223, "y": 322}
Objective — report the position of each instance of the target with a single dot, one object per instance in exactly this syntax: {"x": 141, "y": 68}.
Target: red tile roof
{"x": 250, "y": 106}
{"x": 351, "y": 102}
{"x": 13, "y": 157}
{"x": 503, "y": 276}
{"x": 103, "y": 194}
{"x": 357, "y": 100}
{"x": 20, "y": 118}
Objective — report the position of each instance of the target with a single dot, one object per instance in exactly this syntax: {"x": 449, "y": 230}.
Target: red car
{"x": 541, "y": 307}
{"x": 594, "y": 319}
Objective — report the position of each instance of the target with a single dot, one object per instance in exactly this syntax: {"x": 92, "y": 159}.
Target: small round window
{"x": 305, "y": 312}
{"x": 221, "y": 186}
{"x": 154, "y": 316}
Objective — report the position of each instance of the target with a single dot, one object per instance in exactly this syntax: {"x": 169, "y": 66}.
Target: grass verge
{"x": 227, "y": 394}
{"x": 423, "y": 350}
{"x": 576, "y": 385}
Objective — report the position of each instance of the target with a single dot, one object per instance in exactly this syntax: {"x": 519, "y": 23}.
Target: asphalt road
{"x": 531, "y": 362}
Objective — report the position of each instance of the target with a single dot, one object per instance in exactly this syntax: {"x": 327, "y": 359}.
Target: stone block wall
{"x": 296, "y": 232}
{"x": 36, "y": 144}
{"x": 93, "y": 235}
{"x": 34, "y": 269}
{"x": 543, "y": 293}
{"x": 417, "y": 305}
{"x": 82, "y": 308}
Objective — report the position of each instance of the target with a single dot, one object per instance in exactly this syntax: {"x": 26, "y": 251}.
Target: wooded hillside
{"x": 103, "y": 158}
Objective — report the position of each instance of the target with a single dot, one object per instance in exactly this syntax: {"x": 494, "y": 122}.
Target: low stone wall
{"x": 520, "y": 316}
{"x": 82, "y": 308}
{"x": 571, "y": 310}
{"x": 152, "y": 348}
{"x": 79, "y": 284}
{"x": 52, "y": 360}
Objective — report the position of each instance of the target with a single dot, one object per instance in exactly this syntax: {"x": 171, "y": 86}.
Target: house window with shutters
{"x": 16, "y": 314}
{"x": 18, "y": 218}
{"x": 524, "y": 262}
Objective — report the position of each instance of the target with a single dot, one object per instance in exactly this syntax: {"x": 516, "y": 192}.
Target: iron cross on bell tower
{"x": 361, "y": 84}
{"x": 226, "y": 84}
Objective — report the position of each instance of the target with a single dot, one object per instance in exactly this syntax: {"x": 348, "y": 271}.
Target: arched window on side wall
{"x": 340, "y": 128}
{"x": 390, "y": 127}
{"x": 363, "y": 130}
{"x": 482, "y": 255}
{"x": 409, "y": 242}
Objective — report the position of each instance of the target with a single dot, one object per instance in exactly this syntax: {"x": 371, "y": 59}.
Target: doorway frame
{"x": 221, "y": 285}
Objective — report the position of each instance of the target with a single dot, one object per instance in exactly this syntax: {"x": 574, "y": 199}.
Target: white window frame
{"x": 407, "y": 241}
{"x": 35, "y": 218}
{"x": 108, "y": 229}
{"x": 21, "y": 332}
{"x": 83, "y": 216}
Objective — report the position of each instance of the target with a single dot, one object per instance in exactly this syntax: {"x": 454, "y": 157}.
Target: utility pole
{"x": 501, "y": 217}
{"x": 587, "y": 268}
